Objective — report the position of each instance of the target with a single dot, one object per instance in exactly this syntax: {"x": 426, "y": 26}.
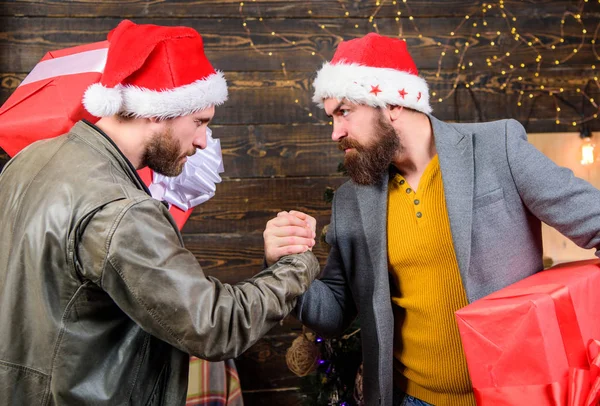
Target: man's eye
{"x": 344, "y": 113}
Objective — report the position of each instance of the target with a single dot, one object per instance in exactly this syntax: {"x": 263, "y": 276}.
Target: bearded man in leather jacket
{"x": 100, "y": 301}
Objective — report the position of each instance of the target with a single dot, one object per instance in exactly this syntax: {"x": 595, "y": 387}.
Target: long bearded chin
{"x": 367, "y": 164}
{"x": 163, "y": 154}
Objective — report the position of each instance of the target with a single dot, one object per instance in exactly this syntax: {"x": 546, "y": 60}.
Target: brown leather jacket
{"x": 100, "y": 303}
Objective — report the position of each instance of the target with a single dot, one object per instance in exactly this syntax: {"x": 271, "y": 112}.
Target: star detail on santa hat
{"x": 375, "y": 89}
{"x": 402, "y": 93}
{"x": 419, "y": 96}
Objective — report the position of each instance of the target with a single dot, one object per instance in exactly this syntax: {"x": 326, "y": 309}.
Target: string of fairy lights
{"x": 517, "y": 66}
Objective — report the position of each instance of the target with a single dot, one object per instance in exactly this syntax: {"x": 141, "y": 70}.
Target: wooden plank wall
{"x": 276, "y": 144}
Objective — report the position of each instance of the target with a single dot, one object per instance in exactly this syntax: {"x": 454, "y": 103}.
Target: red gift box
{"x": 49, "y": 102}
{"x": 534, "y": 342}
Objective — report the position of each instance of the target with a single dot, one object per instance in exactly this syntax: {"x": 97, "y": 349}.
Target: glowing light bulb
{"x": 587, "y": 151}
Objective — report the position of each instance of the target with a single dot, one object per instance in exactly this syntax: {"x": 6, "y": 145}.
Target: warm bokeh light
{"x": 587, "y": 151}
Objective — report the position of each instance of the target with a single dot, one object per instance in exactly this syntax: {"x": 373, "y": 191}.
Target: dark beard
{"x": 163, "y": 154}
{"x": 366, "y": 165}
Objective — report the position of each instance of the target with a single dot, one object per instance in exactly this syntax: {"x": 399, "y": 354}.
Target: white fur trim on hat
{"x": 377, "y": 87}
{"x": 102, "y": 101}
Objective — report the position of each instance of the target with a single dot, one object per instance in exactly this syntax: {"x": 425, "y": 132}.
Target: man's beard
{"x": 367, "y": 164}
{"x": 163, "y": 154}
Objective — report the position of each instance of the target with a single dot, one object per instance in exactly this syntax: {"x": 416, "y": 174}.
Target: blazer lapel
{"x": 372, "y": 204}
{"x": 455, "y": 151}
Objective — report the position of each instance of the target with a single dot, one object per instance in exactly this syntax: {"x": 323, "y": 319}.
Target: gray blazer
{"x": 498, "y": 189}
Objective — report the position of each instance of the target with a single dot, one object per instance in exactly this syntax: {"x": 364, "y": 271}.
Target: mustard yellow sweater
{"x": 427, "y": 289}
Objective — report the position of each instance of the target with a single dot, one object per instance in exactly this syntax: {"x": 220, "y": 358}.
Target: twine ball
{"x": 302, "y": 357}
{"x": 322, "y": 238}
{"x": 358, "y": 387}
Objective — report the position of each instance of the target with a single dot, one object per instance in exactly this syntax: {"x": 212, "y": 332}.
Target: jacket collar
{"x": 98, "y": 139}
{"x": 372, "y": 205}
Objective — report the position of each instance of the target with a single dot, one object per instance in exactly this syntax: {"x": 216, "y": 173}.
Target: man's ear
{"x": 394, "y": 112}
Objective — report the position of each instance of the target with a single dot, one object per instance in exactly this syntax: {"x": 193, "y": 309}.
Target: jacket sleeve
{"x": 328, "y": 306}
{"x": 553, "y": 193}
{"x": 133, "y": 251}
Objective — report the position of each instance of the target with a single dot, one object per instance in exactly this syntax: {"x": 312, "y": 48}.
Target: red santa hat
{"x": 374, "y": 70}
{"x": 155, "y": 71}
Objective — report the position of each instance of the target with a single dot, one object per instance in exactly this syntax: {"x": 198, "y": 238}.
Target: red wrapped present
{"x": 534, "y": 342}
{"x": 49, "y": 102}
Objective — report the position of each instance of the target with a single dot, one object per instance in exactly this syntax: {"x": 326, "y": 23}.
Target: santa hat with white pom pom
{"x": 155, "y": 71}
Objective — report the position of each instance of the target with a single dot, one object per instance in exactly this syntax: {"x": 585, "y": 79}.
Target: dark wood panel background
{"x": 276, "y": 145}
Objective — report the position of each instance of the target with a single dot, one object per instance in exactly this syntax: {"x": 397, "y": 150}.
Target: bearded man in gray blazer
{"x": 435, "y": 216}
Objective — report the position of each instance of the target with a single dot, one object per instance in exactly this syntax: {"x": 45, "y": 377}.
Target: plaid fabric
{"x": 213, "y": 384}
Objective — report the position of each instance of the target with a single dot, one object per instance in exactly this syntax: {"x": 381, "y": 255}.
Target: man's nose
{"x": 200, "y": 140}
{"x": 338, "y": 132}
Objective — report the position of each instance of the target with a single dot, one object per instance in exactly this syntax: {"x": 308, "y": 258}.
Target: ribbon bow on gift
{"x": 584, "y": 384}
{"x": 196, "y": 184}
{"x": 578, "y": 384}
